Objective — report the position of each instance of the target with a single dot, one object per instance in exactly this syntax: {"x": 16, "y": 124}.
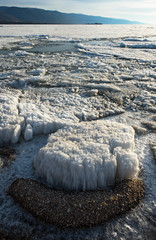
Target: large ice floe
{"x": 87, "y": 156}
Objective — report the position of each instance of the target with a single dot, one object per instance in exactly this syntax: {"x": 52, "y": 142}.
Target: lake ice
{"x": 95, "y": 83}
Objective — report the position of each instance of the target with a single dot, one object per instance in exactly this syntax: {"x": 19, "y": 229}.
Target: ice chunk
{"x": 153, "y": 148}
{"x": 28, "y": 134}
{"x": 87, "y": 156}
{"x": 16, "y": 134}
{"x": 93, "y": 92}
{"x": 122, "y": 45}
{"x": 127, "y": 164}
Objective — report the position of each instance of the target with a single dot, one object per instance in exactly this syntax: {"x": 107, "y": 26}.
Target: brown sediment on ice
{"x": 76, "y": 209}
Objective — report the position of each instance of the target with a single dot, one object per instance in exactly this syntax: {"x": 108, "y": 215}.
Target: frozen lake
{"x": 53, "y": 78}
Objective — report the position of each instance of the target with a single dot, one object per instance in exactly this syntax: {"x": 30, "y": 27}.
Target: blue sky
{"x": 137, "y": 10}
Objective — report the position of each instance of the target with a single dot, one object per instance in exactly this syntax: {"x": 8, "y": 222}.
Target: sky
{"x": 137, "y": 10}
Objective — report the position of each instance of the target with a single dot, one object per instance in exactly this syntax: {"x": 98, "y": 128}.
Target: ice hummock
{"x": 88, "y": 156}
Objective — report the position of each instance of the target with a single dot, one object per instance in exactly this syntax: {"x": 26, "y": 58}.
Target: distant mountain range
{"x": 16, "y": 15}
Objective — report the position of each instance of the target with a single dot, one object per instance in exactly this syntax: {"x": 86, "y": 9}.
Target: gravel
{"x": 76, "y": 209}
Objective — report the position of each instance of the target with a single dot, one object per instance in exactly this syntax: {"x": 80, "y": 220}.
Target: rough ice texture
{"x": 10, "y": 121}
{"x": 26, "y": 118}
{"x": 46, "y": 111}
{"x": 87, "y": 156}
{"x": 20, "y": 53}
{"x": 45, "y": 120}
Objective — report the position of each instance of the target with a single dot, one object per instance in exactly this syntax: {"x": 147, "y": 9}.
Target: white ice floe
{"x": 87, "y": 156}
{"x": 104, "y": 87}
{"x": 20, "y": 53}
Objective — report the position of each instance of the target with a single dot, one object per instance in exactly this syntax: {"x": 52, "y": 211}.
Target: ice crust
{"x": 87, "y": 156}
{"x": 26, "y": 118}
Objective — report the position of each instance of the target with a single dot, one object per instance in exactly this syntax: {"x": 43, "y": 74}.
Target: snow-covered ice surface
{"x": 54, "y": 78}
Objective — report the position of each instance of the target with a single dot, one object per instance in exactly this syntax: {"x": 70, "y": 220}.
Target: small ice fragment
{"x": 28, "y": 134}
{"x": 127, "y": 162}
{"x": 16, "y": 134}
{"x": 122, "y": 45}
{"x": 93, "y": 92}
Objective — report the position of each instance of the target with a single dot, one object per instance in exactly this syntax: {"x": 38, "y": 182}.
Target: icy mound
{"x": 88, "y": 156}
